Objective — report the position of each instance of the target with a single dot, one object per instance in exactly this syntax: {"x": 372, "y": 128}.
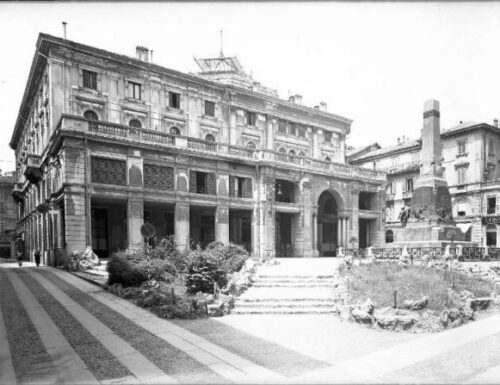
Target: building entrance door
{"x": 100, "y": 232}
{"x": 284, "y": 245}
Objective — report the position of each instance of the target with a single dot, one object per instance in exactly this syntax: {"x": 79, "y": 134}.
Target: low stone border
{"x": 412, "y": 315}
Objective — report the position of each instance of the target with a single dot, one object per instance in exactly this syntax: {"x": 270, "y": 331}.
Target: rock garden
{"x": 203, "y": 283}
{"x": 415, "y": 296}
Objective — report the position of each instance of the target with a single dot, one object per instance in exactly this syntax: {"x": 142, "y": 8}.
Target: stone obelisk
{"x": 430, "y": 223}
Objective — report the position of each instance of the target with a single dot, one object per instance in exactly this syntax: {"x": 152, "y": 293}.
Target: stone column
{"x": 182, "y": 227}
{"x": 315, "y": 143}
{"x": 346, "y": 239}
{"x": 340, "y": 237}
{"x": 135, "y": 219}
{"x": 222, "y": 224}
{"x": 315, "y": 252}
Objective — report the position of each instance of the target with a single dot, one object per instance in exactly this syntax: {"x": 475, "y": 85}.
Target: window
{"x": 491, "y": 235}
{"x": 409, "y": 185}
{"x": 210, "y": 138}
{"x": 389, "y": 189}
{"x": 491, "y": 148}
{"x": 389, "y": 236}
{"x": 492, "y": 203}
{"x": 301, "y": 131}
{"x": 327, "y": 159}
{"x": 135, "y": 123}
{"x": 293, "y": 129}
{"x": 202, "y": 182}
{"x": 240, "y": 187}
{"x": 461, "y": 175}
{"x": 251, "y": 118}
{"x": 174, "y": 131}
{"x": 292, "y": 152}
{"x": 134, "y": 90}
{"x": 301, "y": 153}
{"x": 327, "y": 136}
{"x": 281, "y": 126}
{"x": 251, "y": 145}
{"x": 209, "y": 108}
{"x": 90, "y": 79}
{"x": 461, "y": 213}
{"x": 461, "y": 147}
{"x": 90, "y": 115}
{"x": 174, "y": 100}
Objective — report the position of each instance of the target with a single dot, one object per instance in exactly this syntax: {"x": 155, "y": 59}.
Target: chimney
{"x": 399, "y": 141}
{"x": 495, "y": 122}
{"x": 291, "y": 99}
{"x": 64, "y": 29}
{"x": 298, "y": 99}
{"x": 323, "y": 106}
{"x": 151, "y": 57}
{"x": 316, "y": 107}
{"x": 142, "y": 53}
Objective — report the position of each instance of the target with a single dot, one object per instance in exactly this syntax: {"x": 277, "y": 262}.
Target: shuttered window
{"x": 109, "y": 171}
{"x": 202, "y": 182}
{"x": 240, "y": 187}
{"x": 158, "y": 177}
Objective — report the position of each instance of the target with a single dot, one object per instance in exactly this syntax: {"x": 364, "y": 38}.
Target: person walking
{"x": 19, "y": 258}
{"x": 37, "y": 257}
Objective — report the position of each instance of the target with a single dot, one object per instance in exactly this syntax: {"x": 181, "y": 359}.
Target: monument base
{"x": 429, "y": 235}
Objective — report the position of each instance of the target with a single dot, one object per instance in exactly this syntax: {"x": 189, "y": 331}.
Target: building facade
{"x": 8, "y": 216}
{"x": 106, "y": 142}
{"x": 471, "y": 156}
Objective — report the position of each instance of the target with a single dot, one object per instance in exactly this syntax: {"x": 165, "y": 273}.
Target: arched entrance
{"x": 328, "y": 223}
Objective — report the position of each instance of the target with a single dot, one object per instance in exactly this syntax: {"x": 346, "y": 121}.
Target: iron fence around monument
{"x": 467, "y": 254}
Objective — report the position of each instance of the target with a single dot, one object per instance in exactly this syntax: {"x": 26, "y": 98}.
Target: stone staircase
{"x": 293, "y": 286}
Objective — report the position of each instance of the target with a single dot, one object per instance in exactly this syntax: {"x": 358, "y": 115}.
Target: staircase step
{"x": 291, "y": 284}
{"x": 285, "y": 300}
{"x": 283, "y": 310}
{"x": 280, "y": 304}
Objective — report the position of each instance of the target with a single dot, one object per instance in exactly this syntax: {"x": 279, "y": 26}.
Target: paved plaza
{"x": 62, "y": 329}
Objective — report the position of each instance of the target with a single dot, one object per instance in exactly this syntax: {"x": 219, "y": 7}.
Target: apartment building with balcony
{"x": 471, "y": 156}
{"x": 106, "y": 142}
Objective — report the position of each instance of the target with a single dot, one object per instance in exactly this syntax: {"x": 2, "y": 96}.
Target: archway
{"x": 328, "y": 234}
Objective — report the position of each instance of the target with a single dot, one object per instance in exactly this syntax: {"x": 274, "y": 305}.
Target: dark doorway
{"x": 364, "y": 233}
{"x": 327, "y": 237}
{"x": 284, "y": 240}
{"x": 240, "y": 228}
{"x": 100, "y": 232}
{"x": 201, "y": 226}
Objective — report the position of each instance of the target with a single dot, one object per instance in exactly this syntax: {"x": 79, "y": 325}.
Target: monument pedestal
{"x": 429, "y": 216}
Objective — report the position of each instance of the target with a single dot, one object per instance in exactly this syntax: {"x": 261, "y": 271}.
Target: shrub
{"x": 122, "y": 270}
{"x": 157, "y": 269}
{"x": 213, "y": 265}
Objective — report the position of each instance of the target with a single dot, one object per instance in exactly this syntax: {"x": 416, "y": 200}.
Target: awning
{"x": 464, "y": 227}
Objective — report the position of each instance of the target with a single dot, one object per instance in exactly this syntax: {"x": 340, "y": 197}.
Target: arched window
{"x": 292, "y": 152}
{"x": 251, "y": 145}
{"x": 282, "y": 150}
{"x": 389, "y": 236}
{"x": 327, "y": 159}
{"x": 90, "y": 115}
{"x": 302, "y": 154}
{"x": 491, "y": 235}
{"x": 135, "y": 123}
{"x": 175, "y": 131}
{"x": 210, "y": 138}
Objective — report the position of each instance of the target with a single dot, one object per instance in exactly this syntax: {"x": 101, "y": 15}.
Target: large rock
{"x": 361, "y": 316}
{"x": 395, "y": 319}
{"x": 415, "y": 305}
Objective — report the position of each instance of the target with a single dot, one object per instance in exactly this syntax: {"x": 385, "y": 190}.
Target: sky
{"x": 374, "y": 63}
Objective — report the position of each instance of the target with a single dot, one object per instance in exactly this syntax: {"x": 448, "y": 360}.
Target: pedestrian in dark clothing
{"x": 20, "y": 258}
{"x": 37, "y": 257}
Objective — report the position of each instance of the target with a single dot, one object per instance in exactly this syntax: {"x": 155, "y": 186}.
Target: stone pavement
{"x": 58, "y": 328}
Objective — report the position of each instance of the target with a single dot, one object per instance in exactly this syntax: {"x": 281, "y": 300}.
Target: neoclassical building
{"x": 106, "y": 142}
{"x": 471, "y": 158}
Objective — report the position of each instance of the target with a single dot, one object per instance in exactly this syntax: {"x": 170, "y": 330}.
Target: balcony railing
{"x": 107, "y": 129}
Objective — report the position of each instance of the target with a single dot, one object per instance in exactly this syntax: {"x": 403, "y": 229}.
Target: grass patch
{"x": 378, "y": 282}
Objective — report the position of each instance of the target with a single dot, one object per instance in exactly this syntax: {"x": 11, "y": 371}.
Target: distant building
{"x": 106, "y": 142}
{"x": 8, "y": 216}
{"x": 471, "y": 156}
